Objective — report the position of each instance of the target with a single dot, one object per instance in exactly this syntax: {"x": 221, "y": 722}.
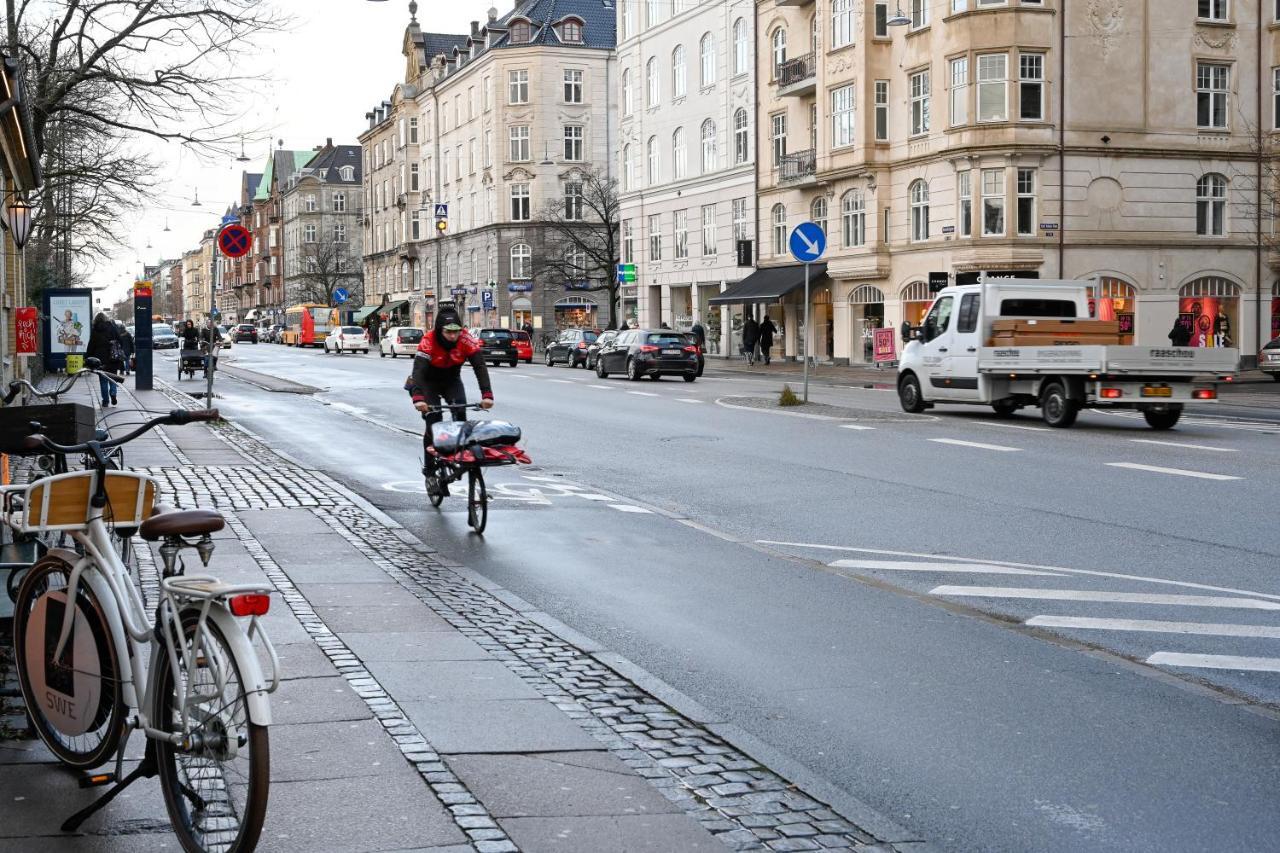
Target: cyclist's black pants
{"x": 451, "y": 393}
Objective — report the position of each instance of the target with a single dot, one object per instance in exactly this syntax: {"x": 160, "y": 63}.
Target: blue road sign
{"x": 486, "y": 299}
{"x": 442, "y": 211}
{"x": 340, "y": 295}
{"x": 808, "y": 242}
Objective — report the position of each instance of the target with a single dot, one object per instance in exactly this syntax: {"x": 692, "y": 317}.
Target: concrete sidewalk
{"x": 423, "y": 708}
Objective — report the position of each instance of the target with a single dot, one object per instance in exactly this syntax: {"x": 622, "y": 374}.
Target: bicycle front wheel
{"x": 477, "y": 500}
{"x": 215, "y": 787}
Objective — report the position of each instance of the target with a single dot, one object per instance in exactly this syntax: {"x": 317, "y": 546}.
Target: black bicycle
{"x": 464, "y": 449}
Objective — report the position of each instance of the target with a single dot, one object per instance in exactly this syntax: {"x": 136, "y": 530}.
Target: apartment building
{"x": 495, "y": 125}
{"x": 687, "y": 92}
{"x": 1124, "y": 141}
{"x": 268, "y": 236}
{"x": 323, "y": 203}
{"x": 197, "y": 265}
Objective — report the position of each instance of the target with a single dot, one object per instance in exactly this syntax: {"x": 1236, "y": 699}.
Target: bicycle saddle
{"x": 181, "y": 522}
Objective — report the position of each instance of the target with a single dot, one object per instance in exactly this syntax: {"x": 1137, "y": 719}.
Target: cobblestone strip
{"x": 468, "y": 813}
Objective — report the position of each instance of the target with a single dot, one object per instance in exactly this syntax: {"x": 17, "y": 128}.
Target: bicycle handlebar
{"x": 477, "y": 406}
{"x": 177, "y": 417}
{"x": 32, "y": 391}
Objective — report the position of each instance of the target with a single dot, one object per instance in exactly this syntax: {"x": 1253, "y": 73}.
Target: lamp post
{"x": 17, "y": 221}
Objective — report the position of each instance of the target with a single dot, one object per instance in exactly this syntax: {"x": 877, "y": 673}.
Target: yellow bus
{"x": 306, "y": 325}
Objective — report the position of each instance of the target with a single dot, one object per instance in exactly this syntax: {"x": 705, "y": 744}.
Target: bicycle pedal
{"x": 97, "y": 780}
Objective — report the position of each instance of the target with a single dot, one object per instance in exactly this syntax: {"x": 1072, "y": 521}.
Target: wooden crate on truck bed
{"x": 1044, "y": 331}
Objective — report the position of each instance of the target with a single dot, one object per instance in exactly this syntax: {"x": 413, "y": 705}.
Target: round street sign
{"x": 808, "y": 242}
{"x": 234, "y": 241}
{"x": 340, "y": 295}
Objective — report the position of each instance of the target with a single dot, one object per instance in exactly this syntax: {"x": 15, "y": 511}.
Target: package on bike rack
{"x": 447, "y": 436}
{"x": 493, "y": 433}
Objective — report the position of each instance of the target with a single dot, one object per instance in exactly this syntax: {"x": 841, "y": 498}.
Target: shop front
{"x": 823, "y": 318}
{"x": 521, "y": 312}
{"x": 681, "y": 307}
{"x": 1275, "y": 311}
{"x": 712, "y": 319}
{"x": 576, "y": 312}
{"x": 1116, "y": 299}
{"x": 1209, "y": 308}
{"x": 779, "y": 291}
{"x": 866, "y": 309}
{"x": 916, "y": 300}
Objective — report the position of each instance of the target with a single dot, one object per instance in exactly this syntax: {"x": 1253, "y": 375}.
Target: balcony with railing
{"x": 800, "y": 167}
{"x": 797, "y": 76}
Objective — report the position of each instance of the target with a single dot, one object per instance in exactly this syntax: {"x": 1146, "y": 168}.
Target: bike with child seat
{"x": 94, "y": 664}
{"x": 464, "y": 448}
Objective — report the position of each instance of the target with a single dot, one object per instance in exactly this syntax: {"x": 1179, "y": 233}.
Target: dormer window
{"x": 348, "y": 173}
{"x": 571, "y": 32}
{"x": 521, "y": 32}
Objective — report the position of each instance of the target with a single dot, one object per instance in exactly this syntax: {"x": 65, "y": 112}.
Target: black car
{"x": 571, "y": 347}
{"x": 594, "y": 348}
{"x": 649, "y": 352}
{"x": 499, "y": 346}
{"x": 245, "y": 332}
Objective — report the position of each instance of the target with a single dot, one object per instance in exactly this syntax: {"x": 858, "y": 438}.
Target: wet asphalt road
{"x": 858, "y": 598}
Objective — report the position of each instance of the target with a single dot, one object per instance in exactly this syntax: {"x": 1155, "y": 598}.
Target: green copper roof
{"x": 264, "y": 185}
{"x": 298, "y": 159}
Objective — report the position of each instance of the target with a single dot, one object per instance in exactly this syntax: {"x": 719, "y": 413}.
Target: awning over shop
{"x": 363, "y": 314}
{"x": 769, "y": 285}
{"x": 389, "y": 308}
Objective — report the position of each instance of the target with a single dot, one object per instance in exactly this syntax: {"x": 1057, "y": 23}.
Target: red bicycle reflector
{"x": 1112, "y": 393}
{"x": 1204, "y": 394}
{"x": 249, "y": 605}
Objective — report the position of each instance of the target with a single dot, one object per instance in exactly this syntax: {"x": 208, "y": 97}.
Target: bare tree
{"x": 102, "y": 75}
{"x": 325, "y": 267}
{"x": 582, "y": 238}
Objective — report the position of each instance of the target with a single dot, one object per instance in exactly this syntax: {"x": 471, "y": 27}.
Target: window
{"x": 521, "y": 261}
{"x": 575, "y": 261}
{"x": 993, "y": 202}
{"x": 573, "y": 137}
{"x": 681, "y": 229}
{"x": 652, "y": 84}
{"x": 964, "y": 213}
{"x": 1211, "y": 95}
{"x": 678, "y": 72}
{"x": 309, "y": 233}
{"x": 655, "y": 161}
{"x": 679, "y": 154}
{"x": 571, "y": 32}
{"x": 655, "y": 237}
{"x": 339, "y": 202}
{"x": 572, "y": 87}
{"x": 881, "y": 23}
{"x": 520, "y": 202}
{"x": 1275, "y": 90}
{"x": 779, "y": 41}
{"x": 309, "y": 204}
{"x": 628, "y": 169}
{"x": 628, "y": 19}
{"x": 347, "y": 173}
{"x": 653, "y": 12}
{"x": 818, "y": 213}
{"x": 1031, "y": 87}
{"x": 486, "y": 93}
{"x": 778, "y": 125}
{"x": 573, "y": 201}
{"x": 1211, "y": 206}
{"x": 939, "y": 317}
{"x": 413, "y": 130}
{"x": 628, "y": 241}
{"x": 708, "y": 230}
{"x": 841, "y": 23}
{"x": 920, "y": 103}
{"x": 487, "y": 153}
{"x": 959, "y": 6}
{"x": 628, "y": 96}
{"x": 853, "y": 219}
{"x": 707, "y": 59}
{"x": 842, "y": 116}
{"x": 741, "y": 47}
{"x": 710, "y": 145}
{"x": 521, "y": 32}
{"x": 993, "y": 98}
{"x": 967, "y": 321}
{"x": 919, "y": 211}
{"x": 959, "y": 91}
{"x": 919, "y": 14}
{"x": 739, "y": 207}
{"x": 779, "y": 229}
{"x": 415, "y": 225}
{"x": 518, "y": 86}
{"x": 1211, "y": 10}
{"x": 519, "y": 143}
{"x": 742, "y": 135}
{"x": 882, "y": 111}
{"x": 1027, "y": 202}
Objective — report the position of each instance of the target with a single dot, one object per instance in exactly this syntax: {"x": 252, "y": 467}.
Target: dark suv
{"x": 571, "y": 347}
{"x": 499, "y": 346}
{"x": 245, "y": 332}
{"x": 649, "y": 352}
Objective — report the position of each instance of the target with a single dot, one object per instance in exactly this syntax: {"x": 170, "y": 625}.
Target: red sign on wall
{"x": 25, "y": 322}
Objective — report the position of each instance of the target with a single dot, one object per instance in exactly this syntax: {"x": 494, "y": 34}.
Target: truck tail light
{"x": 1204, "y": 394}
{"x": 1112, "y": 393}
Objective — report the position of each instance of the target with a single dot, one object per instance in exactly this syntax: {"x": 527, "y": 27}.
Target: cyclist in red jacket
{"x": 437, "y": 372}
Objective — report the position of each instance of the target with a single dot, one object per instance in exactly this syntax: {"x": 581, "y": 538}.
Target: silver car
{"x": 1269, "y": 359}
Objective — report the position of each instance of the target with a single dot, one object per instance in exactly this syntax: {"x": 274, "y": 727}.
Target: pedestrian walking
{"x": 126, "y": 341}
{"x": 750, "y": 337}
{"x": 527, "y": 328}
{"x": 767, "y": 331}
{"x": 906, "y": 331}
{"x": 699, "y": 333}
{"x": 1180, "y": 335}
{"x": 105, "y": 346}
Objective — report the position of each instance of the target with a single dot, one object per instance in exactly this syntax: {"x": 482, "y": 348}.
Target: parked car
{"x": 649, "y": 352}
{"x": 1269, "y": 359}
{"x": 226, "y": 336}
{"x": 245, "y": 332}
{"x": 524, "y": 346}
{"x": 499, "y": 346}
{"x": 594, "y": 348}
{"x": 400, "y": 340}
{"x": 571, "y": 347}
{"x": 347, "y": 339}
{"x": 276, "y": 333}
{"x": 162, "y": 338}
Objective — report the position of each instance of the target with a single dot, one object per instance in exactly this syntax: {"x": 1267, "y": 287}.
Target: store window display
{"x": 1209, "y": 308}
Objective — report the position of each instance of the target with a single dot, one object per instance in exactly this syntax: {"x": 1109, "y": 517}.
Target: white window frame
{"x": 843, "y": 101}
{"x": 778, "y": 222}
{"x": 574, "y": 142}
{"x": 710, "y": 146}
{"x": 778, "y": 49}
{"x": 919, "y": 14}
{"x": 853, "y": 219}
{"x": 1211, "y": 205}
{"x": 881, "y": 89}
{"x": 521, "y": 208}
{"x": 655, "y": 237}
{"x": 1026, "y": 202}
{"x": 1213, "y": 10}
{"x": 919, "y": 196}
{"x": 707, "y": 60}
{"x": 708, "y": 230}
{"x": 521, "y": 256}
{"x": 628, "y": 94}
{"x": 1213, "y": 93}
{"x": 654, "y": 173}
{"x": 841, "y": 23}
{"x": 993, "y": 201}
{"x": 742, "y": 134}
{"x": 778, "y": 138}
{"x": 1031, "y": 79}
{"x": 919, "y": 86}
{"x": 680, "y": 233}
{"x": 518, "y": 86}
{"x": 573, "y": 205}
{"x": 959, "y": 95}
{"x": 964, "y": 203}
{"x": 520, "y": 149}
{"x": 993, "y": 86}
{"x": 679, "y": 72}
{"x": 738, "y": 212}
{"x": 653, "y": 83}
{"x": 741, "y": 47}
{"x": 679, "y": 154}
{"x": 573, "y": 89}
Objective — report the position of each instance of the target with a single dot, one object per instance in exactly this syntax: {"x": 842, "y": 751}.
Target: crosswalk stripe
{"x": 630, "y": 508}
{"x": 977, "y": 444}
{"x": 1182, "y": 444}
{"x": 855, "y": 426}
{"x": 1106, "y": 597}
{"x": 1178, "y": 471}
{"x": 1214, "y": 661}
{"x": 960, "y": 568}
{"x": 1208, "y": 629}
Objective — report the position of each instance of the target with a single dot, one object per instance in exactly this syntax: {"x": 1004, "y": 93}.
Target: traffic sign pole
{"x": 808, "y": 242}
{"x": 807, "y": 333}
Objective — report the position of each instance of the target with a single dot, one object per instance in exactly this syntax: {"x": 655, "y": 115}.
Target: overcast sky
{"x": 341, "y": 58}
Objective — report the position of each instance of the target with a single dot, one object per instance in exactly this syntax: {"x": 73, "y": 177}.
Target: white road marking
{"x": 1012, "y": 426}
{"x": 630, "y": 508}
{"x": 594, "y": 497}
{"x": 562, "y": 381}
{"x": 1209, "y": 629}
{"x": 601, "y": 387}
{"x": 520, "y": 376}
{"x": 1188, "y": 446}
{"x": 855, "y": 426}
{"x": 1134, "y": 466}
{"x": 1215, "y": 661}
{"x": 963, "y": 568}
{"x": 687, "y": 400}
{"x": 643, "y": 393}
{"x": 1104, "y": 597}
{"x": 977, "y": 444}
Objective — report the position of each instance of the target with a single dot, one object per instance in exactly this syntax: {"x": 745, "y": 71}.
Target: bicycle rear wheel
{"x": 75, "y": 703}
{"x": 215, "y": 790}
{"x": 477, "y": 500}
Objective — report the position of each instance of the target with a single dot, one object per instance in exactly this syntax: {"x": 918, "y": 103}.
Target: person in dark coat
{"x": 105, "y": 346}
{"x": 767, "y": 331}
{"x": 1180, "y": 335}
{"x": 750, "y": 337}
{"x": 190, "y": 337}
{"x": 906, "y": 331}
{"x": 126, "y": 340}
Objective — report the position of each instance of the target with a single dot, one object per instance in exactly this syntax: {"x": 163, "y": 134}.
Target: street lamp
{"x": 898, "y": 19}
{"x": 17, "y": 220}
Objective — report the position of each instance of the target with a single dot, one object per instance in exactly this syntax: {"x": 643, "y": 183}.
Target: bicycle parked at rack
{"x": 47, "y": 463}
{"x": 94, "y": 664}
{"x": 464, "y": 449}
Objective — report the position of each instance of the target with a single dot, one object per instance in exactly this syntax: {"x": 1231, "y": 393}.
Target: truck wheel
{"x": 909, "y": 394}
{"x": 1056, "y": 408}
{"x": 1158, "y": 419}
{"x": 1004, "y": 408}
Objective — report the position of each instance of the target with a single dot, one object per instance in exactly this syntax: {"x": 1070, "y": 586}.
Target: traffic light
{"x": 442, "y": 225}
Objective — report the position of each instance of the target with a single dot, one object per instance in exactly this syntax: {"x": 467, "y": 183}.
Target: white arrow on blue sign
{"x": 808, "y": 242}
{"x": 340, "y": 295}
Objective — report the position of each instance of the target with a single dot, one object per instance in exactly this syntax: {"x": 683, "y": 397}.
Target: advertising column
{"x": 142, "y": 297}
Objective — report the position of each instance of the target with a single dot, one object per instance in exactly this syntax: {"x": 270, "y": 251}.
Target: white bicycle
{"x": 94, "y": 665}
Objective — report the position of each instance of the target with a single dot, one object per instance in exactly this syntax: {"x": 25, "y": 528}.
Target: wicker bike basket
{"x": 63, "y": 502}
